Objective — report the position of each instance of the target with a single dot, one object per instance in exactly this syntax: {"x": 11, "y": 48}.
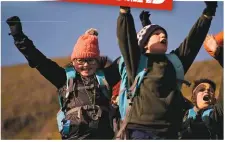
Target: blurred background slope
{"x": 30, "y": 103}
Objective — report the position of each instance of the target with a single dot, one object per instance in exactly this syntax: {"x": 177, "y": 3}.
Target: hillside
{"x": 29, "y": 102}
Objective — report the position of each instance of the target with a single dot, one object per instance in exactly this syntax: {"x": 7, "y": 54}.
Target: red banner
{"x": 152, "y": 4}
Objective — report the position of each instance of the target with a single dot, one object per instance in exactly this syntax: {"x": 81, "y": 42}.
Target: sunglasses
{"x": 90, "y": 61}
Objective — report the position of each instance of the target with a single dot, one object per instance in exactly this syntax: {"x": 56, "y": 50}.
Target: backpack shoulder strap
{"x": 192, "y": 113}
{"x": 125, "y": 104}
{"x": 123, "y": 94}
{"x": 142, "y": 65}
{"x": 121, "y": 65}
{"x": 208, "y": 121}
{"x": 178, "y": 66}
{"x": 70, "y": 75}
{"x": 123, "y": 74}
{"x": 122, "y": 101}
{"x": 206, "y": 113}
{"x": 102, "y": 82}
{"x": 142, "y": 70}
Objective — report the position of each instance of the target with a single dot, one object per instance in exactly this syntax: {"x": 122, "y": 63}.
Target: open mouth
{"x": 164, "y": 41}
{"x": 206, "y": 97}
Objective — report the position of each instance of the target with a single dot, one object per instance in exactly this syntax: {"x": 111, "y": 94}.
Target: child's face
{"x": 204, "y": 90}
{"x": 157, "y": 42}
{"x": 86, "y": 67}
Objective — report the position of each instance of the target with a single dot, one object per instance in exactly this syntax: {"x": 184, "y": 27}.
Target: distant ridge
{"x": 29, "y": 101}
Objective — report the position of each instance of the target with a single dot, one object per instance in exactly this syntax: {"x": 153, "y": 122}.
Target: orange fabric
{"x": 219, "y": 38}
{"x": 115, "y": 92}
{"x": 86, "y": 47}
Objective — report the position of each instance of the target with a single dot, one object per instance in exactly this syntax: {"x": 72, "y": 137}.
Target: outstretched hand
{"x": 210, "y": 9}
{"x": 144, "y": 17}
{"x": 211, "y": 46}
{"x": 13, "y": 20}
{"x": 124, "y": 9}
{"x": 211, "y": 4}
{"x": 14, "y": 25}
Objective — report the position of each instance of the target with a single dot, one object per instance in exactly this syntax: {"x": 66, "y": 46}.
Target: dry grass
{"x": 206, "y": 69}
{"x": 29, "y": 101}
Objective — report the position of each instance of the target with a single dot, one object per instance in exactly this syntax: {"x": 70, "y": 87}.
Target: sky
{"x": 55, "y": 27}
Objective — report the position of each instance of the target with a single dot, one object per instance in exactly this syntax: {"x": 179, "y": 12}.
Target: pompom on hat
{"x": 86, "y": 45}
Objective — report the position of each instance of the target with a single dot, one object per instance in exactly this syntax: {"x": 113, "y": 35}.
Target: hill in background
{"x": 29, "y": 102}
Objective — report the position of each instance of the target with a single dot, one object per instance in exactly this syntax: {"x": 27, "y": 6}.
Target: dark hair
{"x": 196, "y": 83}
{"x": 204, "y": 80}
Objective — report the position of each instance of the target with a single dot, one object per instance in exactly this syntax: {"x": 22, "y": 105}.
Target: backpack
{"x": 190, "y": 120}
{"x": 63, "y": 123}
{"x": 192, "y": 114}
{"x": 126, "y": 95}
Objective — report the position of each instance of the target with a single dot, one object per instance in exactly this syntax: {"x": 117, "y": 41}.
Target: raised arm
{"x": 49, "y": 69}
{"x": 218, "y": 112}
{"x": 219, "y": 57}
{"x": 219, "y": 105}
{"x": 128, "y": 43}
{"x": 189, "y": 48}
{"x": 213, "y": 44}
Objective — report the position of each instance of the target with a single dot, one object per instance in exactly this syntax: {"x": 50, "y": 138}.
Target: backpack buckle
{"x": 129, "y": 94}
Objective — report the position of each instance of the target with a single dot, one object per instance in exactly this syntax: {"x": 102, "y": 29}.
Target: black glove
{"x": 144, "y": 17}
{"x": 210, "y": 9}
{"x": 15, "y": 26}
{"x": 211, "y": 4}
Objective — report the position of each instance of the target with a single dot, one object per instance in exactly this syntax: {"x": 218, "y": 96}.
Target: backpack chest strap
{"x": 192, "y": 114}
{"x": 204, "y": 116}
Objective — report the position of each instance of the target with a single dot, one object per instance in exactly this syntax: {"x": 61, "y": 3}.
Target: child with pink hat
{"x": 83, "y": 86}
